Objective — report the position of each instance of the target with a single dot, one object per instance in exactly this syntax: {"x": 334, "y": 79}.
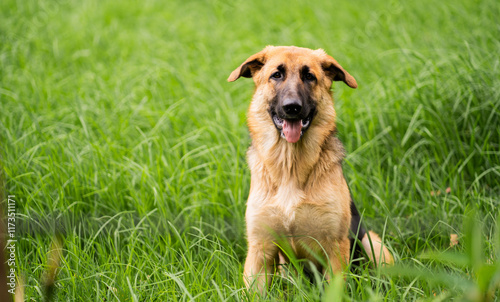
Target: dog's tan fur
{"x": 298, "y": 195}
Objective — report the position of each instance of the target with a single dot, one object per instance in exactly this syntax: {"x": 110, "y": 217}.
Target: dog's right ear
{"x": 249, "y": 67}
{"x": 334, "y": 71}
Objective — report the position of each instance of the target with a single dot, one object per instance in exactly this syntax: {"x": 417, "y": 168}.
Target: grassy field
{"x": 119, "y": 131}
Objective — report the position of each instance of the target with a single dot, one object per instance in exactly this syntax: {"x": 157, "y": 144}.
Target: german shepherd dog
{"x": 298, "y": 195}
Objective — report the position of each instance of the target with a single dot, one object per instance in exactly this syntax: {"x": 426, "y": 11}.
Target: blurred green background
{"x": 119, "y": 131}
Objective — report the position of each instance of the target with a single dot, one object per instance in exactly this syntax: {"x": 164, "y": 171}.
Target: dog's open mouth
{"x": 292, "y": 130}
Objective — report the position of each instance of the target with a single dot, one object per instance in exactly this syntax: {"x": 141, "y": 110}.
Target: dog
{"x": 298, "y": 195}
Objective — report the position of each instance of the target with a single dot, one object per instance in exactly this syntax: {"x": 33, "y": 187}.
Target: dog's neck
{"x": 286, "y": 162}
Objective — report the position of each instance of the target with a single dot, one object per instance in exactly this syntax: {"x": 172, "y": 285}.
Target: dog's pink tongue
{"x": 292, "y": 129}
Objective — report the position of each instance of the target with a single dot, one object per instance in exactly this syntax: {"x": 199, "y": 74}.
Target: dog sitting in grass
{"x": 298, "y": 197}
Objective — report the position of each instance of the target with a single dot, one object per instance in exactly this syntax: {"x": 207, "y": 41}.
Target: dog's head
{"x": 292, "y": 86}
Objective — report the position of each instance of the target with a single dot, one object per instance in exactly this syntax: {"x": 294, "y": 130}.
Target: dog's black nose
{"x": 292, "y": 107}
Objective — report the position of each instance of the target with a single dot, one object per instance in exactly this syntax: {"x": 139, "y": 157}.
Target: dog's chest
{"x": 298, "y": 216}
{"x": 285, "y": 203}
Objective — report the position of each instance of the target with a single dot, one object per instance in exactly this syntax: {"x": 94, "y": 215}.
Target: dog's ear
{"x": 335, "y": 72}
{"x": 249, "y": 67}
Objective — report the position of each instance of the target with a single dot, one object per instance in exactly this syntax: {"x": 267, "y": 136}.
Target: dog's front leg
{"x": 339, "y": 257}
{"x": 260, "y": 265}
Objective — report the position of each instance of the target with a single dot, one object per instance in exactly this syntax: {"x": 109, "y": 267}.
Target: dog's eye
{"x": 309, "y": 77}
{"x": 276, "y": 75}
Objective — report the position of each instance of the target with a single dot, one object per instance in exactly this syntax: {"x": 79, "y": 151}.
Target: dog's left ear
{"x": 335, "y": 72}
{"x": 250, "y": 66}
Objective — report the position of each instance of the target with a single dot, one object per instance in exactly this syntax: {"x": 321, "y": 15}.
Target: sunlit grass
{"x": 119, "y": 131}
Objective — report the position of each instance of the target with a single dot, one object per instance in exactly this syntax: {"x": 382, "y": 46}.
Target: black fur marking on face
{"x": 307, "y": 76}
{"x": 296, "y": 87}
{"x": 280, "y": 74}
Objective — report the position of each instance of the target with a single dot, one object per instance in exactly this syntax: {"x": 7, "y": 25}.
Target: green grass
{"x": 118, "y": 130}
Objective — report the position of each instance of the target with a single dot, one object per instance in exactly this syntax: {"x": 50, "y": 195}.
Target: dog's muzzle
{"x": 292, "y": 129}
